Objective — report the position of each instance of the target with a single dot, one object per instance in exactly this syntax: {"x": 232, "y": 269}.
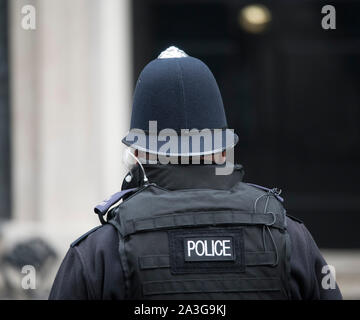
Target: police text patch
{"x": 209, "y": 248}
{"x": 206, "y": 250}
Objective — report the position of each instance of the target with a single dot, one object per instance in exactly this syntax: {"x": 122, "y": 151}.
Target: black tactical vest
{"x": 204, "y": 244}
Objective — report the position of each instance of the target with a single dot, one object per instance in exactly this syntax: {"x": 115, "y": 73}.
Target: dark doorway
{"x": 292, "y": 93}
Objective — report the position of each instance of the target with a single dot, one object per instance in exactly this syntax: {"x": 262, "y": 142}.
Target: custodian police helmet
{"x": 179, "y": 92}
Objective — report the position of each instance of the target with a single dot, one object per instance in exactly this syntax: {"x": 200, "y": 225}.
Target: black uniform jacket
{"x": 92, "y": 268}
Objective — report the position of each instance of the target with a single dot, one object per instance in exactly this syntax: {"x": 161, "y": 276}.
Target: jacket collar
{"x": 175, "y": 177}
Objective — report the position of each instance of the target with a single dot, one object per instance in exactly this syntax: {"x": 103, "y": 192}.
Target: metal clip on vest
{"x": 102, "y": 208}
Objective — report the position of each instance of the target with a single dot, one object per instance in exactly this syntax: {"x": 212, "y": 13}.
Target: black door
{"x": 291, "y": 92}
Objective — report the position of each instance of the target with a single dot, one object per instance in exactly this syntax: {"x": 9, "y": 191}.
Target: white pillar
{"x": 71, "y": 96}
{"x": 114, "y": 85}
{"x": 24, "y": 114}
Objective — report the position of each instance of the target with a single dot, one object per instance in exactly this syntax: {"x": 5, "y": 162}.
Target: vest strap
{"x": 211, "y": 285}
{"x": 193, "y": 219}
{"x": 258, "y": 258}
{"x": 102, "y": 208}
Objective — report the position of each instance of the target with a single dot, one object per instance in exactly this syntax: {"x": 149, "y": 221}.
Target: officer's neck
{"x": 175, "y": 177}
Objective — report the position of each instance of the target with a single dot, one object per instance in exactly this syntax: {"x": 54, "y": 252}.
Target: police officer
{"x": 181, "y": 231}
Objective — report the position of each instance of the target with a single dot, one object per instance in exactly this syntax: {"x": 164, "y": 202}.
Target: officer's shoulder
{"x": 294, "y": 218}
{"x": 100, "y": 231}
{"x": 265, "y": 190}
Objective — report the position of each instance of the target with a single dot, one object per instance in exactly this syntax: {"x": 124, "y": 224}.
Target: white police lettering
{"x": 225, "y": 248}
{"x": 197, "y": 249}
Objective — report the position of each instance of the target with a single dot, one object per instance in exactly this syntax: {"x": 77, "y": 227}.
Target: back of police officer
{"x": 184, "y": 231}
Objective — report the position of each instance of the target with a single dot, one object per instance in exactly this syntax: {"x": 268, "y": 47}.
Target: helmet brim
{"x": 204, "y": 142}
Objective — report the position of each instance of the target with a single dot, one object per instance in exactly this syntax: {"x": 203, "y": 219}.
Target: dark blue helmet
{"x": 179, "y": 92}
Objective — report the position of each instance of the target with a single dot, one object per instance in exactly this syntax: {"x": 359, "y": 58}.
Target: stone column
{"x": 71, "y": 96}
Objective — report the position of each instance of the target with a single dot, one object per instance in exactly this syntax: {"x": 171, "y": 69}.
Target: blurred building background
{"x": 291, "y": 91}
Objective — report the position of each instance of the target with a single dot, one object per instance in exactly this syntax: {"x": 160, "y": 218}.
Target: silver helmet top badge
{"x": 172, "y": 52}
